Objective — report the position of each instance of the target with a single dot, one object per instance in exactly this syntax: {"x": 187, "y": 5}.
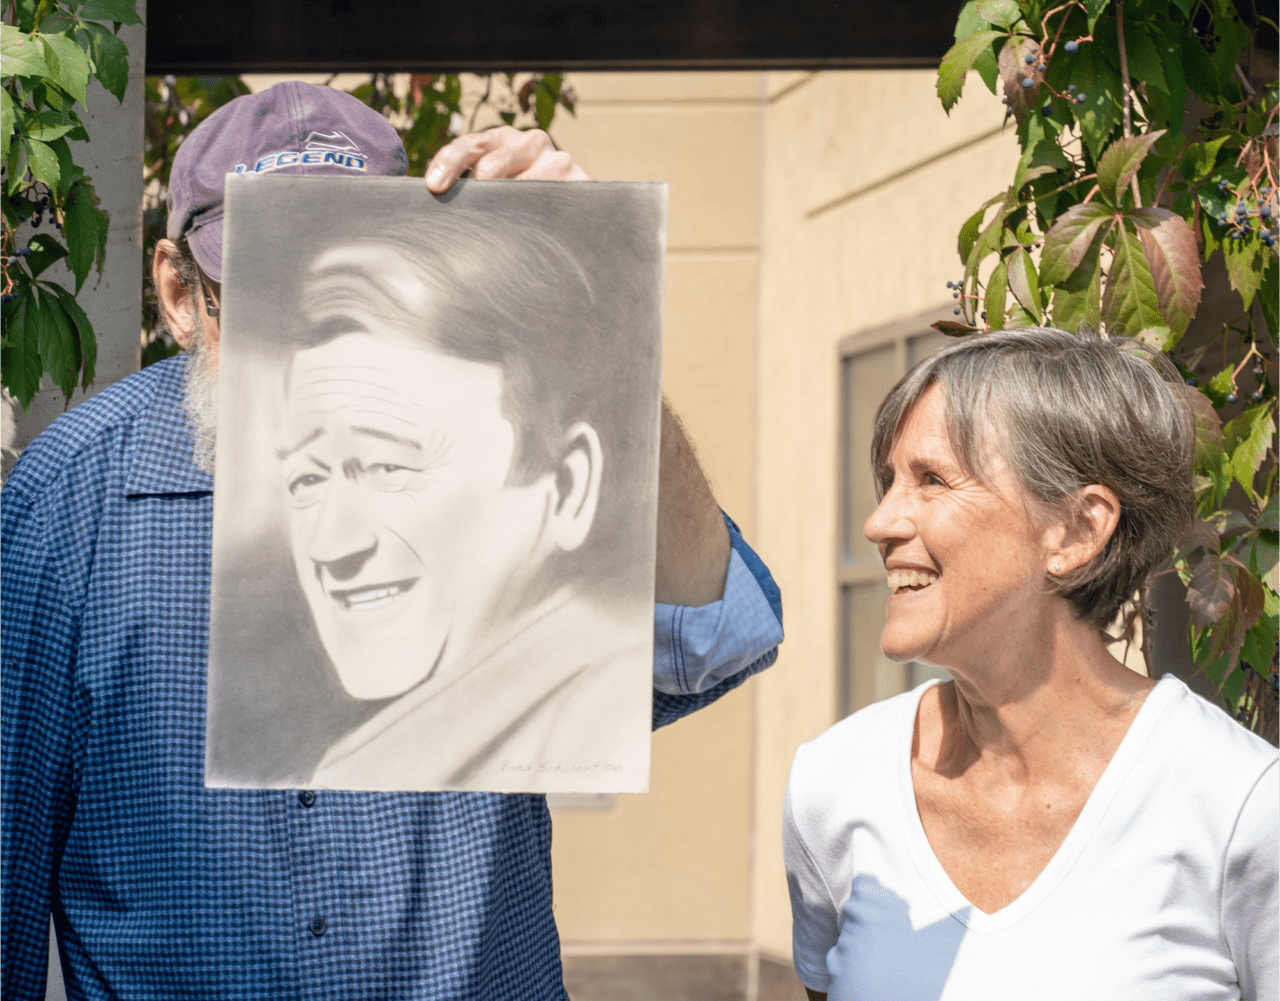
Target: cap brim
{"x": 206, "y": 245}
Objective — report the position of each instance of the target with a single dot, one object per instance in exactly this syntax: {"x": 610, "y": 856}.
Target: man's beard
{"x": 200, "y": 399}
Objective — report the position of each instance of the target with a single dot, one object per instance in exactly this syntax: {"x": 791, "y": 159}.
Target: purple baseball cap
{"x": 295, "y": 127}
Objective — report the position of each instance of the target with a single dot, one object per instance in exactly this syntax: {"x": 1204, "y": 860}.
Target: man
{"x": 162, "y": 888}
{"x": 465, "y": 481}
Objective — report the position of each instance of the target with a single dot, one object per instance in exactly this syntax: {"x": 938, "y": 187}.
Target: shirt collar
{"x": 160, "y": 459}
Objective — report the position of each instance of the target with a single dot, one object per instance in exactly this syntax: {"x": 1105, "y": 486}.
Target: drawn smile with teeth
{"x": 913, "y": 579}
{"x": 373, "y": 595}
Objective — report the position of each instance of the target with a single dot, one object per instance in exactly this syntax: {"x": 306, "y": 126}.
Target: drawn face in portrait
{"x": 407, "y": 537}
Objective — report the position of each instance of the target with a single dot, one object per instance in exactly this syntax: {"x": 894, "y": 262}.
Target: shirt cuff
{"x": 694, "y": 649}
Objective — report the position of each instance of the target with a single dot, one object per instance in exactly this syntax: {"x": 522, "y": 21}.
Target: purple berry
{"x": 1072, "y": 46}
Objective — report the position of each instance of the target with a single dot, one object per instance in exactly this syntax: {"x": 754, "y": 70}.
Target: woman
{"x": 1048, "y": 824}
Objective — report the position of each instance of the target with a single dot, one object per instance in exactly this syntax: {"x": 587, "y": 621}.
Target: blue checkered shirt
{"x": 161, "y": 888}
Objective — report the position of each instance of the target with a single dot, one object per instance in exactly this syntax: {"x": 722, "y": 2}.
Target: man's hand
{"x": 503, "y": 152}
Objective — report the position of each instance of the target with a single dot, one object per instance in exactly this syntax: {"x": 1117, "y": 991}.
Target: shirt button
{"x": 307, "y": 798}
{"x": 318, "y": 926}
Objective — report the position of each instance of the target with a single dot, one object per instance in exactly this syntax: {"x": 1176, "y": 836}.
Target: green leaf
{"x": 1269, "y": 297}
{"x": 1260, "y": 640}
{"x": 1093, "y": 10}
{"x": 544, "y": 107}
{"x": 1258, "y": 551}
{"x": 1129, "y": 305}
{"x": 1246, "y": 262}
{"x": 111, "y": 10}
{"x": 49, "y": 125}
{"x": 1199, "y": 159}
{"x": 1201, "y": 76}
{"x": 989, "y": 241}
{"x": 20, "y": 356}
{"x": 20, "y": 55}
{"x": 1001, "y": 13}
{"x": 68, "y": 172}
{"x": 72, "y": 70}
{"x": 84, "y": 226}
{"x": 1218, "y": 387}
{"x": 16, "y": 165}
{"x": 84, "y": 330}
{"x": 1119, "y": 164}
{"x": 1066, "y": 244}
{"x": 1101, "y": 110}
{"x": 968, "y": 22}
{"x": 997, "y": 293}
{"x": 44, "y": 251}
{"x": 969, "y": 233}
{"x": 958, "y": 61}
{"x": 1247, "y": 439}
{"x": 54, "y": 342}
{"x": 110, "y": 59}
{"x": 8, "y": 116}
{"x": 1269, "y": 517}
{"x": 44, "y": 162}
{"x": 1174, "y": 261}
{"x": 1024, "y": 283}
{"x": 1170, "y": 49}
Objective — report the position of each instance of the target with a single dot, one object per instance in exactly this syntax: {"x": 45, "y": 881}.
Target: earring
{"x": 1057, "y": 567}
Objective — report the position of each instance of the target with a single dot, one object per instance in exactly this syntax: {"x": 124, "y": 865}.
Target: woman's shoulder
{"x": 1196, "y": 730}
{"x": 860, "y": 751}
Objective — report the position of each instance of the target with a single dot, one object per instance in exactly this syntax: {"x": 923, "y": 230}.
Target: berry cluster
{"x": 1241, "y": 224}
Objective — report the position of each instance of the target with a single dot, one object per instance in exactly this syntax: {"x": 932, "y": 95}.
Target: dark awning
{"x": 410, "y": 35}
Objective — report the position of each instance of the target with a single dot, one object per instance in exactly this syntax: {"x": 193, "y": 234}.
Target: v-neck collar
{"x": 1073, "y": 845}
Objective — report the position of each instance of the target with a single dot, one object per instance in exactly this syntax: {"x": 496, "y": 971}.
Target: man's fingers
{"x": 450, "y": 162}
{"x": 502, "y": 153}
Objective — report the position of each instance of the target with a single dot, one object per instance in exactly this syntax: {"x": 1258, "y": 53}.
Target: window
{"x": 870, "y": 363}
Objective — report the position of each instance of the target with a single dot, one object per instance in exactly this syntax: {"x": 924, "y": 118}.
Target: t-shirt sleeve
{"x": 814, "y": 925}
{"x": 1249, "y": 894}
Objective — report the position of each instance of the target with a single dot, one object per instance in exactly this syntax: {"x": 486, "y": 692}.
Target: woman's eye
{"x": 934, "y": 480}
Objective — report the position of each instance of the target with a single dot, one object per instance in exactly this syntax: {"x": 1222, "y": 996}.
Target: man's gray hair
{"x": 1064, "y": 411}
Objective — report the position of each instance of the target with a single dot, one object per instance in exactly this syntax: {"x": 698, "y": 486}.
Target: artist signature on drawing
{"x": 549, "y": 767}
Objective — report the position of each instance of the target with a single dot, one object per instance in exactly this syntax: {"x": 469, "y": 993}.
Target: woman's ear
{"x": 577, "y": 487}
{"x": 1073, "y": 544}
{"x": 176, "y": 300}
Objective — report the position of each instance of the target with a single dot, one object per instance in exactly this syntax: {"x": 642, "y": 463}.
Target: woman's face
{"x": 979, "y": 560}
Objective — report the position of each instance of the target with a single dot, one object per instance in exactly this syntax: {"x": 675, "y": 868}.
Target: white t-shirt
{"x": 1164, "y": 889}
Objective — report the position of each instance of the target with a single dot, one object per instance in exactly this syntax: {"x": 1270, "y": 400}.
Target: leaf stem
{"x": 1127, "y": 91}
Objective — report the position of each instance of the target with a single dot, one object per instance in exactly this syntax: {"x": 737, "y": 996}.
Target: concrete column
{"x": 112, "y": 301}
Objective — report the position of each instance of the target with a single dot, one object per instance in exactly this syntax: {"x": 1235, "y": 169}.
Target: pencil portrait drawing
{"x": 436, "y": 486}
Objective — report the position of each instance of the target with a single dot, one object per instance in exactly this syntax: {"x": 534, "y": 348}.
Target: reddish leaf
{"x": 1174, "y": 260}
{"x": 1210, "y": 591}
{"x": 1129, "y": 305}
{"x": 1024, "y": 283}
{"x": 1068, "y": 240}
{"x": 1119, "y": 164}
{"x": 1208, "y": 426}
{"x": 1014, "y": 69}
{"x": 1244, "y": 610}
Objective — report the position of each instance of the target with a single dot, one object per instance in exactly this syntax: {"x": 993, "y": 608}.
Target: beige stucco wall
{"x": 671, "y": 869}
{"x": 865, "y": 184}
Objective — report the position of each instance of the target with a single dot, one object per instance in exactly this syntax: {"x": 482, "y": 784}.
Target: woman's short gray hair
{"x": 1066, "y": 411}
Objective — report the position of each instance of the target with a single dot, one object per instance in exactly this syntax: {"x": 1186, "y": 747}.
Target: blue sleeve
{"x": 701, "y": 653}
{"x": 37, "y": 630}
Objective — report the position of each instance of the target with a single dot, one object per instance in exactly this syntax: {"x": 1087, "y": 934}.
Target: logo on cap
{"x": 318, "y": 149}
{"x": 330, "y": 140}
